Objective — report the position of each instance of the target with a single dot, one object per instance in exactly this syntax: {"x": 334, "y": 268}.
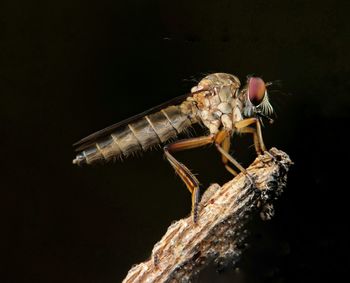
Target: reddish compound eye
{"x": 256, "y": 90}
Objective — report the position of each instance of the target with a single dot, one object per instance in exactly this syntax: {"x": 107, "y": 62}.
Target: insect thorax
{"x": 217, "y": 102}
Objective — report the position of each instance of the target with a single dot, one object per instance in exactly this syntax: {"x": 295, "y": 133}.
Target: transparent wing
{"x": 91, "y": 139}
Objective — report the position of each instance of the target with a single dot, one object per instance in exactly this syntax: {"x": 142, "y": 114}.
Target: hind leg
{"x": 185, "y": 174}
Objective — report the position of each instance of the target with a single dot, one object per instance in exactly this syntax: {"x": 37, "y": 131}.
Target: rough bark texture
{"x": 220, "y": 232}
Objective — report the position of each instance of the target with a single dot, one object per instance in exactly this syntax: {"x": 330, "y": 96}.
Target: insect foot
{"x": 250, "y": 180}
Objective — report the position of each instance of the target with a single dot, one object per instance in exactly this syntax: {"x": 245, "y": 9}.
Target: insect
{"x": 218, "y": 102}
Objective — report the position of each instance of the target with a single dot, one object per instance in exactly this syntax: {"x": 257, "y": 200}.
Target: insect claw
{"x": 273, "y": 158}
{"x": 251, "y": 179}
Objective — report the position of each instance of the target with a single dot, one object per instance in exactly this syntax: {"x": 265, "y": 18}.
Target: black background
{"x": 69, "y": 68}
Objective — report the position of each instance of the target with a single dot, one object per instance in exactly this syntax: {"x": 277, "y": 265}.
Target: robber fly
{"x": 217, "y": 102}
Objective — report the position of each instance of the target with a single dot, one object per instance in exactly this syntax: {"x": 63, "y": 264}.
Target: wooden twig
{"x": 218, "y": 236}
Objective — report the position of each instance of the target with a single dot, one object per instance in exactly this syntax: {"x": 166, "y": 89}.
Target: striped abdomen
{"x": 148, "y": 131}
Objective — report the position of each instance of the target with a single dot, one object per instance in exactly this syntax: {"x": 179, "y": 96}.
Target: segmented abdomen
{"x": 148, "y": 131}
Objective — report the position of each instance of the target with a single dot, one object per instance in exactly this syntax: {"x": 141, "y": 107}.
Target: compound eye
{"x": 256, "y": 90}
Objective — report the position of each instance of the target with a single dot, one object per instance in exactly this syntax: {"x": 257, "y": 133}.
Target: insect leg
{"x": 220, "y": 139}
{"x": 185, "y": 174}
{"x": 249, "y": 130}
{"x": 247, "y": 122}
{"x": 226, "y": 144}
{"x": 230, "y": 158}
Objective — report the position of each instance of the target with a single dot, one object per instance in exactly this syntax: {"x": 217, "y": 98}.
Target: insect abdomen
{"x": 142, "y": 134}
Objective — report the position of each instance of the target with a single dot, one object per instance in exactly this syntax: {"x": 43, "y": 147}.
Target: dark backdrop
{"x": 69, "y": 68}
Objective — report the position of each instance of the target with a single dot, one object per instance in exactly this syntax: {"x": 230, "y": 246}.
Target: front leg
{"x": 185, "y": 174}
{"x": 242, "y": 125}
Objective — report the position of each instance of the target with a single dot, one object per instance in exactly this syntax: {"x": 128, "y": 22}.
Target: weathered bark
{"x": 218, "y": 236}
